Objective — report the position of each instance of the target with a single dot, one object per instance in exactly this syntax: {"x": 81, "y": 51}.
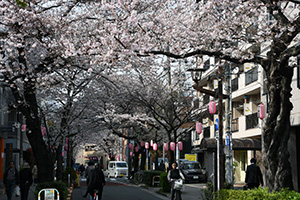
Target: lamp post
{"x": 196, "y": 76}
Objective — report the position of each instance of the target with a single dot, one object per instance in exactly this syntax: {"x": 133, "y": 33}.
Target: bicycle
{"x": 177, "y": 186}
{"x": 139, "y": 176}
{"x": 95, "y": 195}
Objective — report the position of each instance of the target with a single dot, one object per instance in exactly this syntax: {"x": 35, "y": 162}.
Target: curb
{"x": 70, "y": 190}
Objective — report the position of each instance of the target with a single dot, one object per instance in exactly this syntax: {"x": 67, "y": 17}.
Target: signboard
{"x": 191, "y": 157}
{"x": 227, "y": 140}
{"x": 49, "y": 194}
{"x": 217, "y": 124}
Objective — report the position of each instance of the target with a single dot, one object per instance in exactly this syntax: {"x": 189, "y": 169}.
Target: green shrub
{"x": 257, "y": 194}
{"x": 72, "y": 172}
{"x": 209, "y": 191}
{"x": 148, "y": 176}
{"x": 164, "y": 183}
{"x": 59, "y": 185}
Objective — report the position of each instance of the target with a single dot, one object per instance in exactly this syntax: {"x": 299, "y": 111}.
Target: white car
{"x": 117, "y": 169}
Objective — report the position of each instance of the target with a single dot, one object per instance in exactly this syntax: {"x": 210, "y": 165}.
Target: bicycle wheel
{"x": 177, "y": 194}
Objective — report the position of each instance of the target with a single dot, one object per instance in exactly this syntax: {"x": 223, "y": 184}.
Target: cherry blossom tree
{"x": 37, "y": 37}
{"x": 236, "y": 31}
{"x": 35, "y": 40}
{"x": 152, "y": 106}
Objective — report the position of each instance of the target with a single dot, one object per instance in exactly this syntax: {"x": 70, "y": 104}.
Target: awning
{"x": 238, "y": 144}
{"x": 196, "y": 150}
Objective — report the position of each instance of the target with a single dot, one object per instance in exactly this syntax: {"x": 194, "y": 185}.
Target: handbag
{"x": 17, "y": 191}
{"x": 178, "y": 184}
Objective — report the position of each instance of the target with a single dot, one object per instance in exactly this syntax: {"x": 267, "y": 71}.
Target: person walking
{"x": 253, "y": 175}
{"x": 25, "y": 181}
{"x": 162, "y": 166}
{"x": 97, "y": 182}
{"x": 10, "y": 179}
{"x": 173, "y": 175}
{"x": 34, "y": 172}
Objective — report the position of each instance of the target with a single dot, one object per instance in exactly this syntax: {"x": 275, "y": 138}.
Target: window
{"x": 206, "y": 64}
{"x": 235, "y": 84}
{"x": 121, "y": 165}
{"x": 251, "y": 75}
{"x": 206, "y": 132}
{"x": 197, "y": 136}
{"x": 251, "y": 121}
{"x": 235, "y": 125}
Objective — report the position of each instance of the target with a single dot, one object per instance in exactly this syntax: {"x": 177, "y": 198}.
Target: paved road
{"x": 116, "y": 189}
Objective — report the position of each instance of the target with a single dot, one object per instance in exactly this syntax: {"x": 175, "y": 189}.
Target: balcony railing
{"x": 235, "y": 84}
{"x": 251, "y": 121}
{"x": 251, "y": 75}
{"x": 235, "y": 125}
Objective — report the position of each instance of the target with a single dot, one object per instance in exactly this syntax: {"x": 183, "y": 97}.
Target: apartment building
{"x": 248, "y": 90}
{"x": 91, "y": 152}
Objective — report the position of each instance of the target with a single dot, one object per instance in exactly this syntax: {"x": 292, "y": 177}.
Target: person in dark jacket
{"x": 97, "y": 181}
{"x": 253, "y": 175}
{"x": 10, "y": 179}
{"x": 174, "y": 174}
{"x": 25, "y": 181}
{"x": 162, "y": 166}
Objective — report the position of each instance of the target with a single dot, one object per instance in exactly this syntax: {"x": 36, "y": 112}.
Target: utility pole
{"x": 220, "y": 116}
{"x": 221, "y": 96}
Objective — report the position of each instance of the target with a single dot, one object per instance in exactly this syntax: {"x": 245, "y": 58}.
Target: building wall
{"x": 294, "y": 142}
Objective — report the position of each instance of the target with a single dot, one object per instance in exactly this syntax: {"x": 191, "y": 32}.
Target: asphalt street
{"x": 116, "y": 189}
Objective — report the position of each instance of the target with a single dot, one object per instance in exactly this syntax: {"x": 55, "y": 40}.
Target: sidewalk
{"x": 30, "y": 195}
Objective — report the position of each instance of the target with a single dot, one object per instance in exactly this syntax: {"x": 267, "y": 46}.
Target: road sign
{"x": 227, "y": 141}
{"x": 217, "y": 124}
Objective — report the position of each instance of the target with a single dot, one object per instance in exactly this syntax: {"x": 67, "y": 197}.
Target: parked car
{"x": 117, "y": 169}
{"x": 193, "y": 172}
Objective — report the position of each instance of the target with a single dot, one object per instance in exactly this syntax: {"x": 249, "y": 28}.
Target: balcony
{"x": 251, "y": 75}
{"x": 235, "y": 125}
{"x": 235, "y": 84}
{"x": 251, "y": 121}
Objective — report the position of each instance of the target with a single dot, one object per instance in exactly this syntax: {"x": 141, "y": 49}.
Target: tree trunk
{"x": 136, "y": 161}
{"x": 156, "y": 160}
{"x": 277, "y": 127}
{"x": 59, "y": 167}
{"x": 143, "y": 159}
{"x": 42, "y": 154}
{"x": 69, "y": 153}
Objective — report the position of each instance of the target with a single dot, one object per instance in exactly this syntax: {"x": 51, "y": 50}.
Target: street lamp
{"x": 196, "y": 76}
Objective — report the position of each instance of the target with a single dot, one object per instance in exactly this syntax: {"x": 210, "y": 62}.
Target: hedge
{"x": 59, "y": 185}
{"x": 257, "y": 194}
{"x": 164, "y": 183}
{"x": 72, "y": 172}
{"x": 148, "y": 176}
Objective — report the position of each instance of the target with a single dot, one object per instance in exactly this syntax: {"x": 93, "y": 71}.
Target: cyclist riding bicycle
{"x": 97, "y": 181}
{"x": 173, "y": 175}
